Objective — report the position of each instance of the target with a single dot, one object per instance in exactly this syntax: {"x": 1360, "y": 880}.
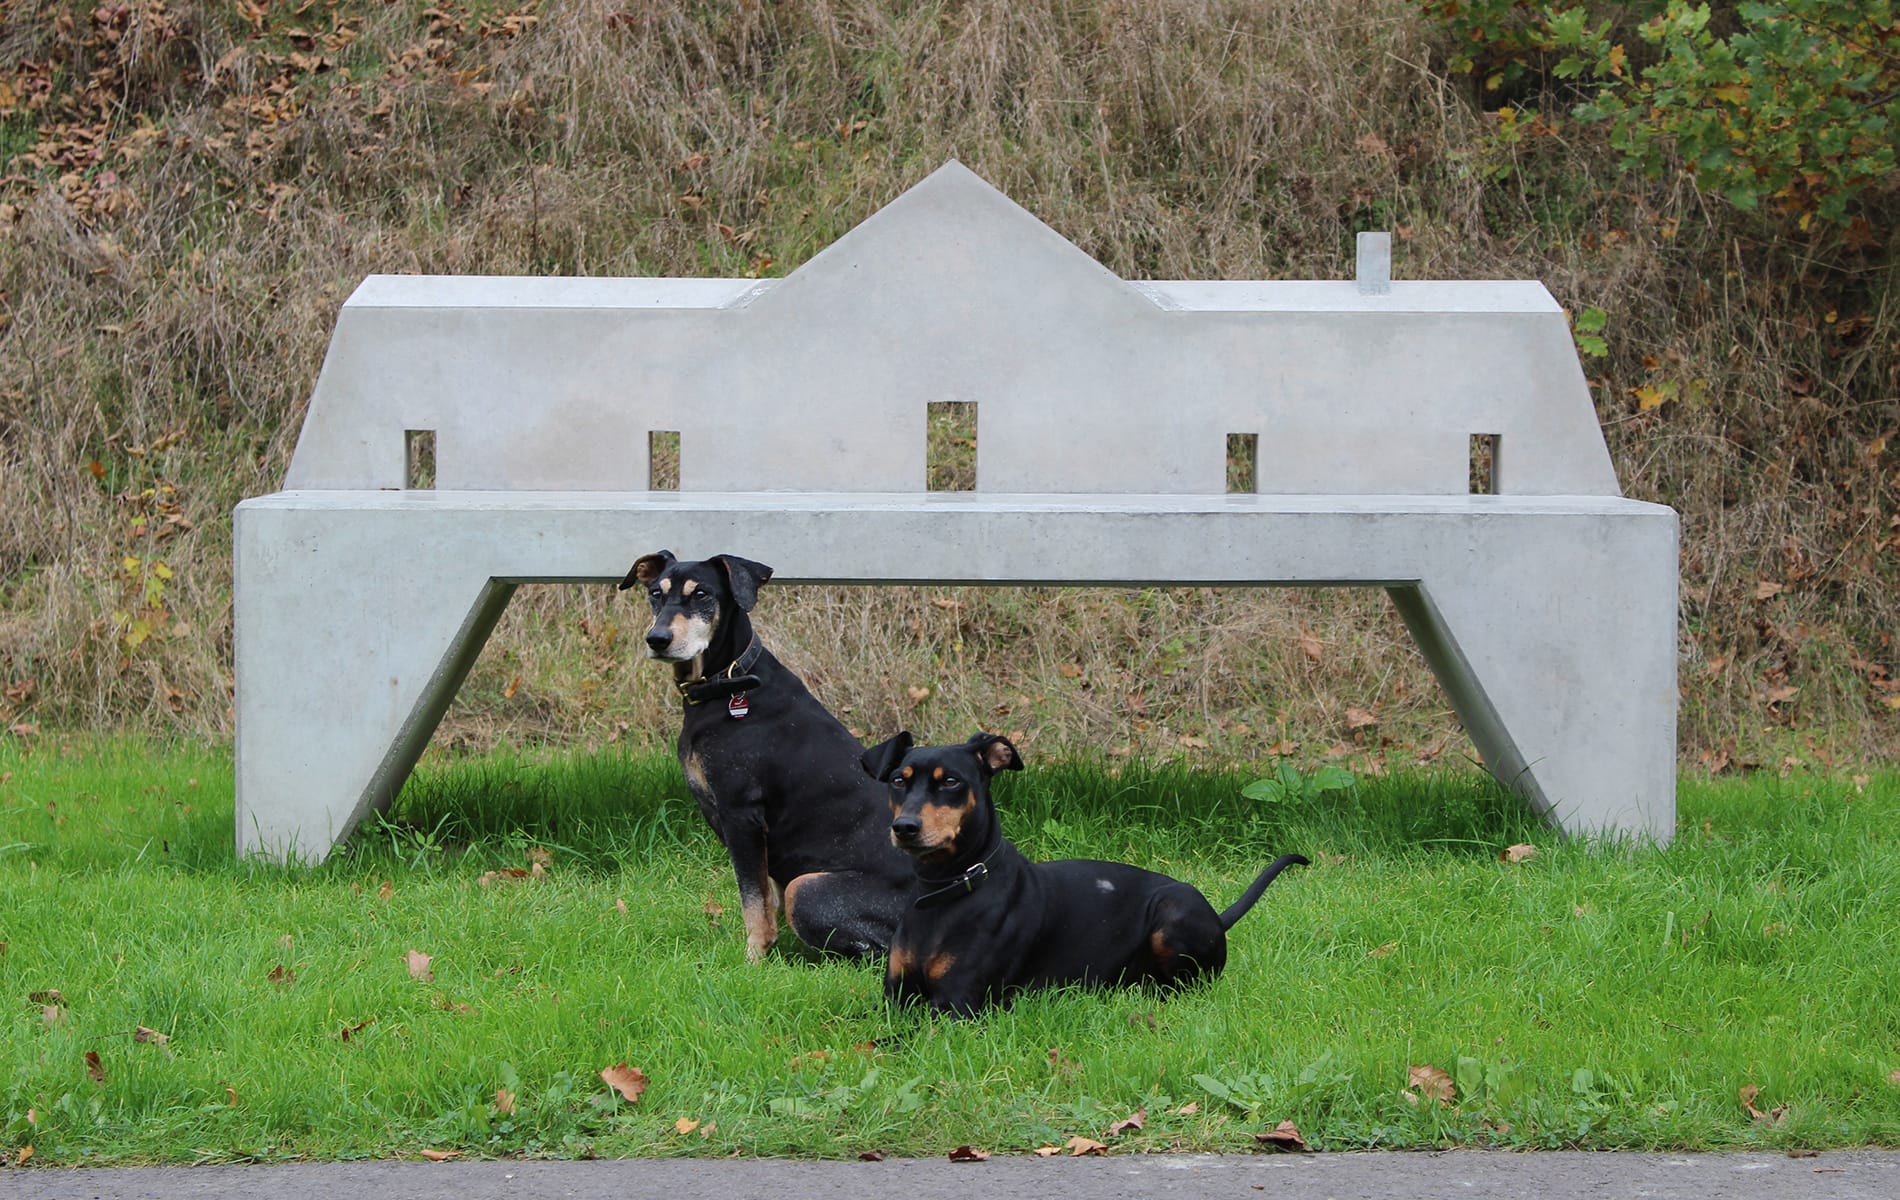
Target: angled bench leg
{"x": 1565, "y": 679}
{"x": 347, "y": 652}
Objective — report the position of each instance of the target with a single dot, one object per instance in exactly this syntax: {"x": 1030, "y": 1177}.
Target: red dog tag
{"x": 737, "y": 706}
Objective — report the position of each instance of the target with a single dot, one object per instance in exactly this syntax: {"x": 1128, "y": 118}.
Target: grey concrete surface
{"x": 1104, "y": 409}
{"x": 1473, "y": 1175}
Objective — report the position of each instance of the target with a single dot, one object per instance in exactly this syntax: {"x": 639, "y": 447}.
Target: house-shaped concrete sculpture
{"x": 1104, "y": 413}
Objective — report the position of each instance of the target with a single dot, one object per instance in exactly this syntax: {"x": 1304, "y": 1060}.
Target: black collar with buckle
{"x": 962, "y": 884}
{"x": 734, "y": 679}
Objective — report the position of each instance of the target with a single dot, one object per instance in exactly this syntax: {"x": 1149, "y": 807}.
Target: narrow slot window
{"x": 1243, "y": 463}
{"x": 663, "y": 460}
{"x": 950, "y": 446}
{"x": 418, "y": 459}
{"x": 1484, "y": 464}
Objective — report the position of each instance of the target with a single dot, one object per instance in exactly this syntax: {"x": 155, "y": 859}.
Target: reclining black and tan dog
{"x": 987, "y": 922}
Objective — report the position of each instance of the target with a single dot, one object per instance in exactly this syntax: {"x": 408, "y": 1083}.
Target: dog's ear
{"x": 745, "y": 578}
{"x": 647, "y": 568}
{"x": 995, "y": 753}
{"x": 881, "y": 761}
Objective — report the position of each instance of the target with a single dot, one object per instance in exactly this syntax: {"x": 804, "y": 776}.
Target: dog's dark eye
{"x": 655, "y": 595}
{"x": 950, "y": 782}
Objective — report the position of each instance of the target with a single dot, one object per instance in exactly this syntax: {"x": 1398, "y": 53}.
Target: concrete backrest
{"x": 1083, "y": 382}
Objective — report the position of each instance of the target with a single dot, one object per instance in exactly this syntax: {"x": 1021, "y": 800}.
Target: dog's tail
{"x": 1251, "y": 896}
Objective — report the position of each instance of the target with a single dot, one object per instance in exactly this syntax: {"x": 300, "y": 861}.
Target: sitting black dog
{"x": 987, "y": 922}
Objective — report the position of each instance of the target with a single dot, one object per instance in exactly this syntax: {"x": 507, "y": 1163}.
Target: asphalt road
{"x": 1835, "y": 1175}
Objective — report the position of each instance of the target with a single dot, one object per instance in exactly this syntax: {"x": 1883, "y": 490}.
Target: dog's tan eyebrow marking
{"x": 907, "y": 772}
{"x": 940, "y": 965}
{"x": 666, "y": 585}
{"x": 690, "y": 586}
{"x": 936, "y": 773}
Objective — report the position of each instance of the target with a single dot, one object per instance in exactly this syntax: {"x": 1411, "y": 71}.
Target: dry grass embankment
{"x": 188, "y": 190}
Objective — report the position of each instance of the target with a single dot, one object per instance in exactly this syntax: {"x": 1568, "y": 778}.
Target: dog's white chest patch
{"x": 1104, "y": 885}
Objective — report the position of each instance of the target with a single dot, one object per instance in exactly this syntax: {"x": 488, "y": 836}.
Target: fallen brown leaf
{"x": 151, "y": 1036}
{"x": 870, "y": 1156}
{"x": 1773, "y": 1116}
{"x": 47, "y": 996}
{"x": 1432, "y": 1082}
{"x": 26, "y": 1152}
{"x": 504, "y": 1102}
{"x": 969, "y": 1154}
{"x": 628, "y": 1081}
{"x": 1134, "y": 1120}
{"x": 1360, "y": 718}
{"x": 1284, "y": 1136}
{"x": 685, "y": 1125}
{"x": 52, "y": 1014}
{"x": 620, "y": 906}
{"x": 1188, "y": 1109}
{"x": 1078, "y": 1145}
{"x": 282, "y": 976}
{"x": 1894, "y": 1078}
{"x": 1522, "y": 852}
{"x": 350, "y": 1031}
{"x": 1382, "y": 951}
{"x": 384, "y": 892}
{"x": 94, "y": 1068}
{"x": 232, "y": 1093}
{"x": 1046, "y": 1151}
{"x": 440, "y": 1155}
{"x": 540, "y": 856}
{"x": 1310, "y": 645}
{"x": 419, "y": 966}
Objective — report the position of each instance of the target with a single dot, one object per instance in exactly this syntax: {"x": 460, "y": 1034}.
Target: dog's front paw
{"x": 757, "y": 946}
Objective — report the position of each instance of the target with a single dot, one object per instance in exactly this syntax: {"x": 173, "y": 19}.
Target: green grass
{"x": 1587, "y": 997}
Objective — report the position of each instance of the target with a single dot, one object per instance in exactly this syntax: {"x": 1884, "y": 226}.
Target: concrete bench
{"x": 1105, "y": 411}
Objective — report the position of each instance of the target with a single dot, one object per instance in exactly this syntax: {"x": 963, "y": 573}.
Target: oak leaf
{"x": 969, "y": 1154}
{"x": 419, "y": 966}
{"x": 685, "y": 1125}
{"x": 1773, "y": 1116}
{"x": 1284, "y": 1136}
{"x": 1134, "y": 1120}
{"x": 1432, "y": 1082}
{"x": 1078, "y": 1145}
{"x": 628, "y": 1081}
{"x": 1310, "y": 645}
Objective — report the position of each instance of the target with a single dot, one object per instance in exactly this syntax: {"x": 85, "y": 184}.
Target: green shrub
{"x": 1791, "y": 107}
